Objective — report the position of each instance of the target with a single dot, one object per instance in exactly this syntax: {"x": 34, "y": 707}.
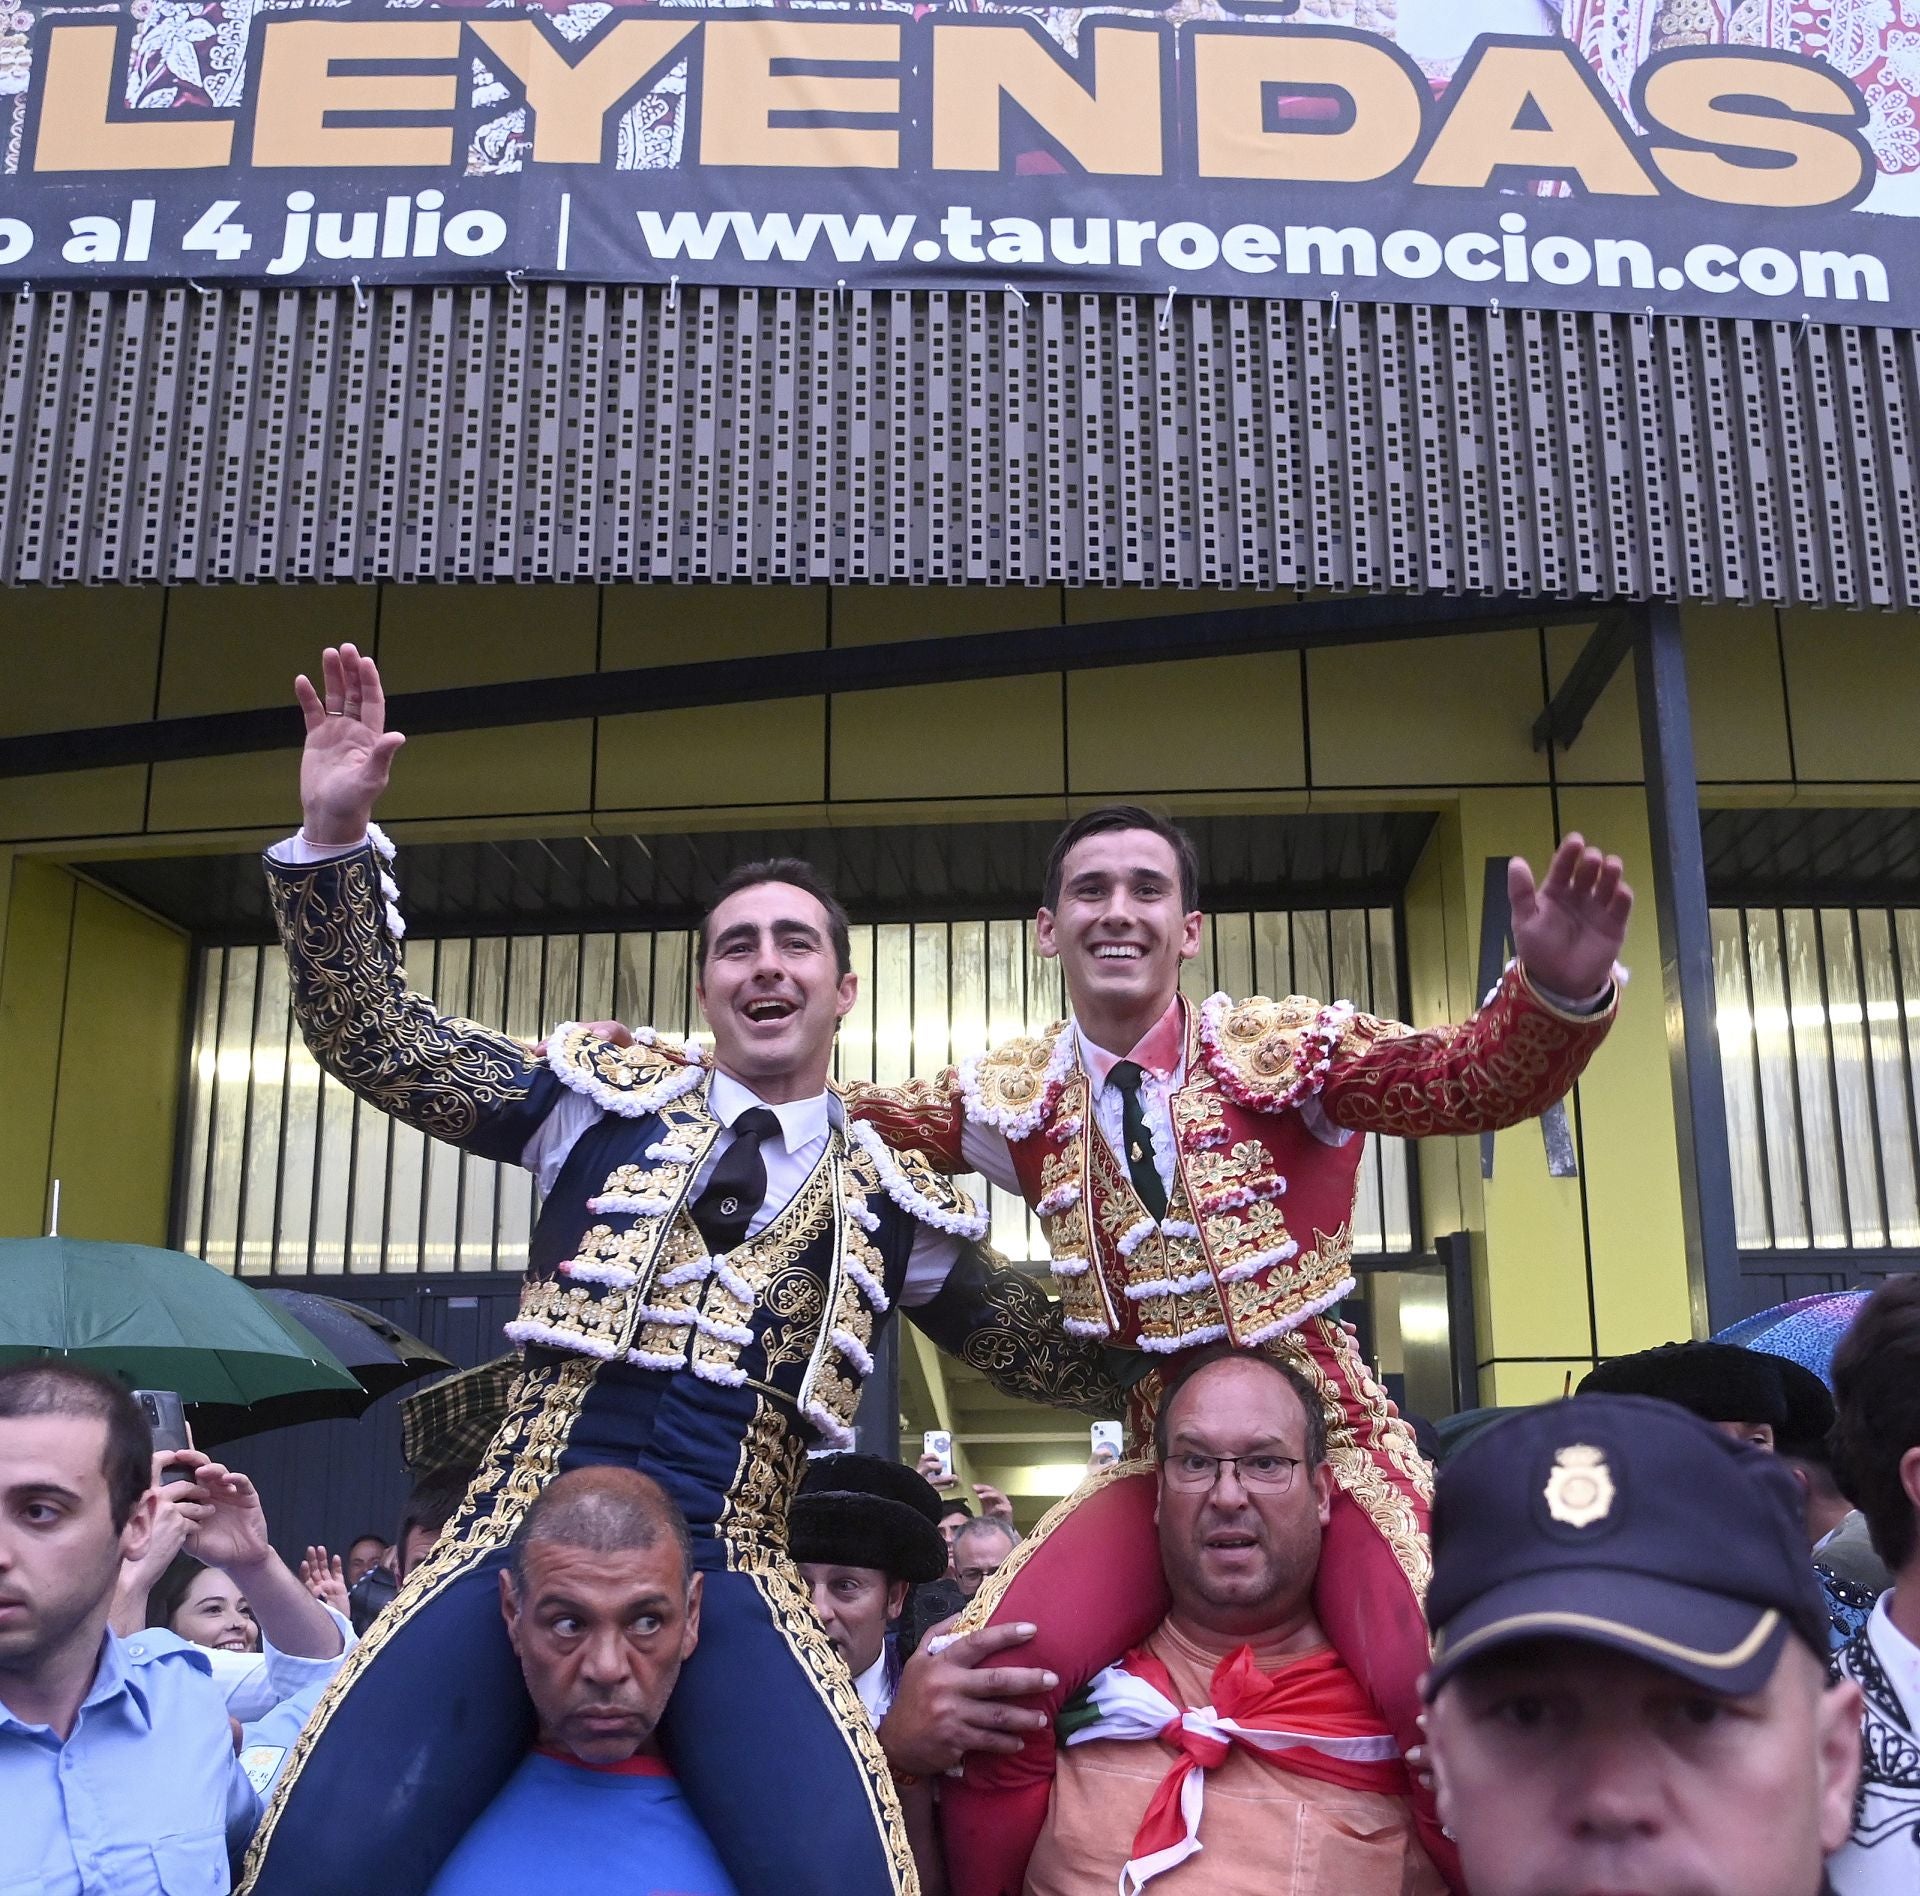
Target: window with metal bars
{"x": 285, "y": 1172}
{"x": 1816, "y": 1011}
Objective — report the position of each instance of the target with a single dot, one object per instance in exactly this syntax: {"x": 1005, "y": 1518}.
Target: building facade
{"x": 1553, "y": 482}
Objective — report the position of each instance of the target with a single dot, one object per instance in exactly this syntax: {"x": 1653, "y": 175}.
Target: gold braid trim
{"x": 993, "y": 1589}
{"x": 521, "y": 1459}
{"x": 1360, "y": 1435}
{"x": 753, "y": 1536}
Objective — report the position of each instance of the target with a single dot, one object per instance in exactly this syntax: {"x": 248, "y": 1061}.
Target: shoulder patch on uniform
{"x": 1271, "y": 1055}
{"x": 1011, "y": 1087}
{"x": 630, "y": 1081}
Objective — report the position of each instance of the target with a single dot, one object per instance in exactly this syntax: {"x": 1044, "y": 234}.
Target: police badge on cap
{"x": 1622, "y": 1522}
{"x": 1580, "y": 1490}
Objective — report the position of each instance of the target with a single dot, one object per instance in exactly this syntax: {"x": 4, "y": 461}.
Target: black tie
{"x": 1127, "y": 1076}
{"x": 739, "y": 1182}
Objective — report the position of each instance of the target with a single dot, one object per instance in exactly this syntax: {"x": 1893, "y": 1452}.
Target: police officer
{"x": 1629, "y": 1686}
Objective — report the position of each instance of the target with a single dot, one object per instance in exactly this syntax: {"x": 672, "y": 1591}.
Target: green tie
{"x": 1127, "y": 1076}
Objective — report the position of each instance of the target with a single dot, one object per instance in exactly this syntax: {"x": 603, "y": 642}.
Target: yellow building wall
{"x": 1567, "y": 1268}
{"x": 93, "y": 997}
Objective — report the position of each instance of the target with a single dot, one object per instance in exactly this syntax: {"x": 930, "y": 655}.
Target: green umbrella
{"x": 155, "y": 1320}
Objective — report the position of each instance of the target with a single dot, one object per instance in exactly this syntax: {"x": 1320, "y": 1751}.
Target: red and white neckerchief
{"x": 1310, "y": 1716}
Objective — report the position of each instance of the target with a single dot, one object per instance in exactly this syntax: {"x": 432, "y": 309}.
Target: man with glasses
{"x": 1233, "y": 1751}
{"x": 979, "y": 1551}
{"x": 1195, "y": 1170}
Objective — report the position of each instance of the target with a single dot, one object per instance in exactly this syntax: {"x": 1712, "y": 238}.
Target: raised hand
{"x": 139, "y": 1577}
{"x": 349, "y": 749}
{"x": 994, "y": 1506}
{"x": 325, "y": 1577}
{"x": 1569, "y": 930}
{"x": 228, "y": 1528}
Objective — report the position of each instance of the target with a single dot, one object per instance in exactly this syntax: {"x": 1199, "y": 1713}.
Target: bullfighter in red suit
{"x": 1195, "y": 1170}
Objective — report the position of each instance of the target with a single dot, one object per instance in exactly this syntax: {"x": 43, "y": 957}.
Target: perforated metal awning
{"x": 577, "y": 433}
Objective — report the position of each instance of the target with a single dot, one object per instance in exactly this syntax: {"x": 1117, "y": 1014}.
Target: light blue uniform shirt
{"x": 146, "y": 1794}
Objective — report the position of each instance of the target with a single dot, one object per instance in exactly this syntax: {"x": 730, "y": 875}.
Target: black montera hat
{"x": 1719, "y": 1382}
{"x": 865, "y": 1511}
{"x": 1623, "y": 1522}
{"x": 1809, "y": 1418}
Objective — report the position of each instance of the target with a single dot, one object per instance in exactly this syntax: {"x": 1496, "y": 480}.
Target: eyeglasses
{"x": 1262, "y": 1473}
{"x": 974, "y": 1576}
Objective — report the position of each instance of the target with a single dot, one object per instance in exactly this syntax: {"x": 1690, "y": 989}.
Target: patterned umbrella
{"x": 1806, "y": 1331}
{"x": 449, "y": 1424}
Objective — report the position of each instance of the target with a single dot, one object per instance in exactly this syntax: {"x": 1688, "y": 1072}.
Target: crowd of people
{"x": 673, "y": 1629}
{"x": 1651, "y": 1670}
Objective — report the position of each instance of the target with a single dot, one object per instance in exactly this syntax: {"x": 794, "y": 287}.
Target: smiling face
{"x": 60, "y": 1553}
{"x": 772, "y": 990}
{"x": 601, "y": 1638}
{"x": 1240, "y": 1560}
{"x": 855, "y": 1605}
{"x": 213, "y": 1612}
{"x": 1120, "y": 932}
{"x": 1566, "y": 1770}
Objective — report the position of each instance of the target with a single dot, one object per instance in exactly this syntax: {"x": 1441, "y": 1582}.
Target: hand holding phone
{"x": 167, "y": 1419}
{"x": 936, "y": 1457}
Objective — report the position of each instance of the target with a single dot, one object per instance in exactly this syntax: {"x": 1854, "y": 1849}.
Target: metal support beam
{"x": 777, "y": 675}
{"x": 1564, "y": 719}
{"x": 1686, "y": 968}
{"x": 1455, "y": 1251}
{"x": 924, "y": 1369}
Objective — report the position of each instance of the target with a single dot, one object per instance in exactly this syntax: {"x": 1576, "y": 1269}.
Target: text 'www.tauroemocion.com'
{"x": 1510, "y": 255}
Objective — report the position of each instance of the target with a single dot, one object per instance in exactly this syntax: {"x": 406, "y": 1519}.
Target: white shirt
{"x": 804, "y": 1126}
{"x": 875, "y": 1693}
{"x": 790, "y": 1159}
{"x": 1882, "y": 1857}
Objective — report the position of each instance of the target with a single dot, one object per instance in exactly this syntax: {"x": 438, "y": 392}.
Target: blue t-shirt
{"x": 561, "y": 1825}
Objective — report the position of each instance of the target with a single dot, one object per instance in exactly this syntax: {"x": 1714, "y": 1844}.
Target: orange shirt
{"x": 1265, "y": 1831}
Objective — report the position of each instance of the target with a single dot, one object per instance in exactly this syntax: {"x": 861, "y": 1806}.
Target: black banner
{"x": 216, "y": 141}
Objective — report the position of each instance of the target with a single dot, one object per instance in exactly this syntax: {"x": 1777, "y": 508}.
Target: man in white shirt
{"x": 117, "y": 1767}
{"x": 1876, "y": 1441}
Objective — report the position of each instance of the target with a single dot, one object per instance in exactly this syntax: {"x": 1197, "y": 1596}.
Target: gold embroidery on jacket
{"x": 773, "y": 1457}
{"x": 1084, "y": 1297}
{"x": 626, "y": 1069}
{"x": 790, "y": 1608}
{"x": 1014, "y": 1074}
{"x": 433, "y": 1071}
